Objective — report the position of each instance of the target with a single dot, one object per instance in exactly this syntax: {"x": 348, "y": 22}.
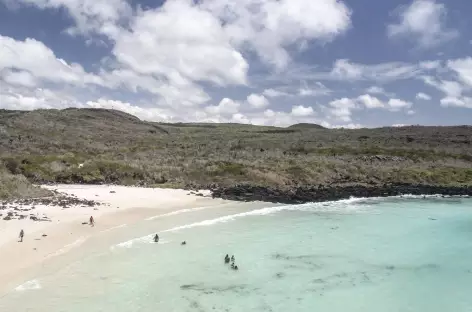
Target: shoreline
{"x": 66, "y": 229}
{"x": 116, "y": 207}
{"x": 301, "y": 195}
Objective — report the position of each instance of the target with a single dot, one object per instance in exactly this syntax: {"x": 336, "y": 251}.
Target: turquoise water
{"x": 356, "y": 255}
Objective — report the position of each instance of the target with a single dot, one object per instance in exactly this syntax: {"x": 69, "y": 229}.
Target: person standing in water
{"x": 156, "y": 238}
{"x": 22, "y": 234}
{"x": 92, "y": 221}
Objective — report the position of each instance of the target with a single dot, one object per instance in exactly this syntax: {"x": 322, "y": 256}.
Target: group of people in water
{"x": 228, "y": 259}
{"x": 156, "y": 240}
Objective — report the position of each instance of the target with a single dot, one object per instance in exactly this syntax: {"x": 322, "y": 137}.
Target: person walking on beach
{"x": 156, "y": 238}
{"x": 22, "y": 234}
{"x": 92, "y": 221}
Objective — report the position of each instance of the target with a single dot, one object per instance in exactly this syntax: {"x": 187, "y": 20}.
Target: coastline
{"x": 64, "y": 230}
{"x": 115, "y": 207}
{"x": 304, "y": 194}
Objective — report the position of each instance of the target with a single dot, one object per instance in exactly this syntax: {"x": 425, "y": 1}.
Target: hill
{"x": 306, "y": 126}
{"x": 108, "y": 146}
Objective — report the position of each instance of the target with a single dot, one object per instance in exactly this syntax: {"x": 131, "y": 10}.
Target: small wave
{"x": 177, "y": 212}
{"x": 353, "y": 204}
{"x": 114, "y": 228}
{"x": 29, "y": 285}
{"x": 148, "y": 239}
{"x": 258, "y": 212}
{"x": 67, "y": 247}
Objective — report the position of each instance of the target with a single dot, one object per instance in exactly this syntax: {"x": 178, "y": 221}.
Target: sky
{"x": 337, "y": 63}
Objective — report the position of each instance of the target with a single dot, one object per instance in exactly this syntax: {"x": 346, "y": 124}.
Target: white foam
{"x": 177, "y": 212}
{"x": 29, "y": 285}
{"x": 148, "y": 239}
{"x": 68, "y": 247}
{"x": 340, "y": 206}
{"x": 114, "y": 228}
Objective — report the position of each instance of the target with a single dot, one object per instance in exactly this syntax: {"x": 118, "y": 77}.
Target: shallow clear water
{"x": 355, "y": 255}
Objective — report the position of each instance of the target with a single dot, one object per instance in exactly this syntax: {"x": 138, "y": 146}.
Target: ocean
{"x": 382, "y": 255}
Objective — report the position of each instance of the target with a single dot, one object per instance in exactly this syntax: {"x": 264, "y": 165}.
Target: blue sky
{"x": 351, "y": 63}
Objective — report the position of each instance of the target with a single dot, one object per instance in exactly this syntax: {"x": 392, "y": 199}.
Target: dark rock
{"x": 304, "y": 194}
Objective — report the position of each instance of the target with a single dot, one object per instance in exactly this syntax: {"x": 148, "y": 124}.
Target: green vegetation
{"x": 105, "y": 146}
{"x": 17, "y": 186}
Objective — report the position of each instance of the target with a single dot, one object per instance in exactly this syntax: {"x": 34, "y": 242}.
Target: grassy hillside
{"x": 106, "y": 146}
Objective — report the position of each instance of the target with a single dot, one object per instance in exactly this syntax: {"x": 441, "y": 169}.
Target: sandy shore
{"x": 64, "y": 230}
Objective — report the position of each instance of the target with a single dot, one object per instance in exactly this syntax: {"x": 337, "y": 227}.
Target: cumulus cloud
{"x": 90, "y": 16}
{"x": 397, "y": 104}
{"x": 257, "y": 101}
{"x": 302, "y": 111}
{"x": 424, "y": 21}
{"x": 370, "y": 101}
{"x": 22, "y": 61}
{"x": 151, "y": 114}
{"x": 464, "y": 102}
{"x": 19, "y": 78}
{"x": 268, "y": 27}
{"x": 423, "y": 96}
{"x": 225, "y": 107}
{"x": 342, "y": 108}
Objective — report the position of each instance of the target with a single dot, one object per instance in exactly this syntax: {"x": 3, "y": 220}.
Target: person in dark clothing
{"x": 232, "y": 258}
{"x": 92, "y": 221}
{"x": 156, "y": 238}
{"x": 226, "y": 259}
{"x": 22, "y": 234}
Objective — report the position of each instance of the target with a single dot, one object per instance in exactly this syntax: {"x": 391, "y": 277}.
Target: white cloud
{"x": 302, "y": 111}
{"x": 375, "y": 90}
{"x": 225, "y": 107}
{"x": 20, "y": 78}
{"x": 423, "y": 96}
{"x": 341, "y": 109}
{"x": 424, "y": 22}
{"x": 269, "y": 27}
{"x": 90, "y": 16}
{"x": 25, "y": 98}
{"x": 275, "y": 93}
{"x": 370, "y": 101}
{"x": 397, "y": 105}
{"x": 345, "y": 70}
{"x": 151, "y": 114}
{"x": 463, "y": 68}
{"x": 190, "y": 44}
{"x": 257, "y": 101}
{"x": 317, "y": 89}
{"x": 34, "y": 58}
{"x": 449, "y": 87}
{"x": 464, "y": 102}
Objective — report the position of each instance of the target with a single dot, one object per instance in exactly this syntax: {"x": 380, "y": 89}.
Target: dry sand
{"x": 65, "y": 231}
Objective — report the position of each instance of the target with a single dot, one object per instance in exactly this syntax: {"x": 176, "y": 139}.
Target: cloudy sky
{"x": 350, "y": 63}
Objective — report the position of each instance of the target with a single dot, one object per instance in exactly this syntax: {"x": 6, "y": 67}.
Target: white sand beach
{"x": 119, "y": 205}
